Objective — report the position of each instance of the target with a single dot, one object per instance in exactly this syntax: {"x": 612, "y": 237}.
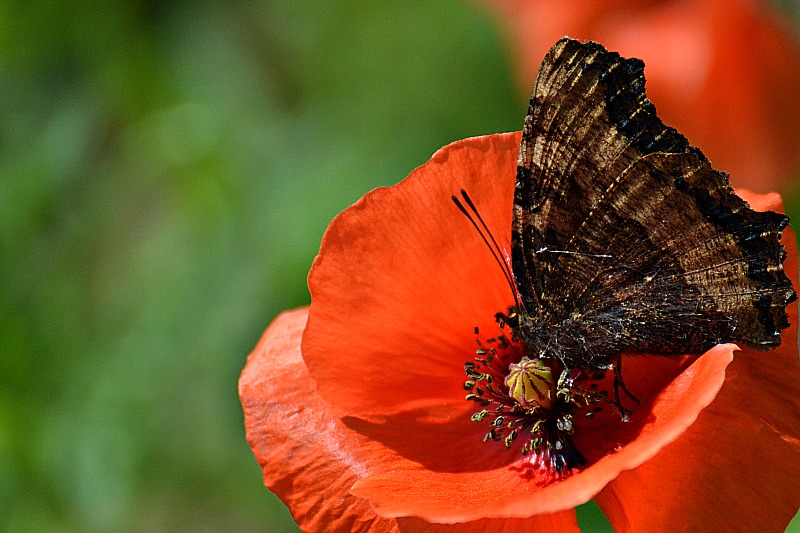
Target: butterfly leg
{"x": 619, "y": 383}
{"x": 569, "y": 392}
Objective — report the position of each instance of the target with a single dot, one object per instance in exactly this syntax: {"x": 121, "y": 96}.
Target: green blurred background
{"x": 166, "y": 173}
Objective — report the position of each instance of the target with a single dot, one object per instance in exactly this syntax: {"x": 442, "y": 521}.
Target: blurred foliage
{"x": 166, "y": 173}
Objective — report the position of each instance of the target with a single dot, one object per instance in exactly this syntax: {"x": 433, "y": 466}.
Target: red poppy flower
{"x": 725, "y": 73}
{"x": 356, "y": 411}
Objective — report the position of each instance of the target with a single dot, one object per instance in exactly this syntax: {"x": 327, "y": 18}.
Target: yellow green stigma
{"x": 529, "y": 382}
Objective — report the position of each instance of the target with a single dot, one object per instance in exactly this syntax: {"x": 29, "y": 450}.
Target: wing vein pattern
{"x": 624, "y": 238}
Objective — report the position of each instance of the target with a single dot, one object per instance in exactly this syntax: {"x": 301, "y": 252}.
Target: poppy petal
{"x": 310, "y": 459}
{"x": 744, "y": 448}
{"x": 402, "y": 278}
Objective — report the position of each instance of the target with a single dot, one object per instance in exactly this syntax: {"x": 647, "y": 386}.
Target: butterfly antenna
{"x": 483, "y": 231}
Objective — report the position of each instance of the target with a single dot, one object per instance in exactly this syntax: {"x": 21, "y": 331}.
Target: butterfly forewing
{"x": 624, "y": 238}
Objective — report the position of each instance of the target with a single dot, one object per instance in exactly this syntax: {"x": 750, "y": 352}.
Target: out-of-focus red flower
{"x": 355, "y": 407}
{"x": 725, "y": 73}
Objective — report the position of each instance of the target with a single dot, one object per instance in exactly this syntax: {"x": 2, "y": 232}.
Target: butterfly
{"x": 624, "y": 239}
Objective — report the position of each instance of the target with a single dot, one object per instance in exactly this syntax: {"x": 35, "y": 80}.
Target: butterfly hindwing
{"x": 624, "y": 238}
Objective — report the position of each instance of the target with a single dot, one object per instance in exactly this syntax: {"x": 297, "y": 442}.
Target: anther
{"x": 479, "y": 416}
{"x": 510, "y": 438}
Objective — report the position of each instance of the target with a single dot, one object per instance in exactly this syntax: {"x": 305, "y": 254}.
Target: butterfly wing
{"x": 624, "y": 238}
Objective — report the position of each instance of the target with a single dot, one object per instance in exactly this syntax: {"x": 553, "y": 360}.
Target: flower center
{"x": 527, "y": 406}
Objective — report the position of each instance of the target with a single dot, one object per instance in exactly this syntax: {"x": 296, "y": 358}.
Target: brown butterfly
{"x": 624, "y": 238}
